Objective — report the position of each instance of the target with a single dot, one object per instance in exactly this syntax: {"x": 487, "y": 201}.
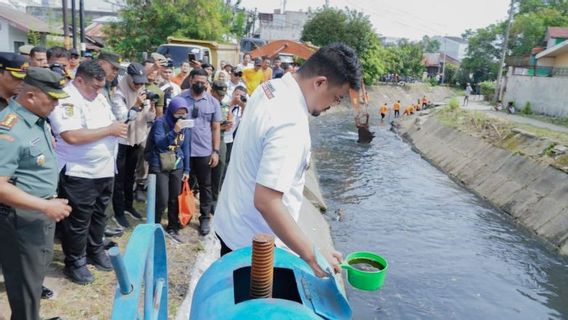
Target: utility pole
{"x": 504, "y": 52}
{"x": 82, "y": 26}
{"x": 444, "y": 63}
{"x": 66, "y": 41}
{"x": 74, "y": 23}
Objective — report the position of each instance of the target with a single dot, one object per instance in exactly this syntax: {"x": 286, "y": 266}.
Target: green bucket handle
{"x": 365, "y": 280}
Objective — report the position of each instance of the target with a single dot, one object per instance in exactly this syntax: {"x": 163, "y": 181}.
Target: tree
{"x": 430, "y": 45}
{"x": 483, "y": 53}
{"x": 330, "y": 25}
{"x": 529, "y": 28}
{"x": 406, "y": 58}
{"x": 145, "y": 25}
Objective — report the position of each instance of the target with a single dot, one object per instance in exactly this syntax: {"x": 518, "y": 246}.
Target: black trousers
{"x": 168, "y": 186}
{"x": 224, "y": 248}
{"x": 217, "y": 175}
{"x": 202, "y": 171}
{"x": 83, "y": 230}
{"x": 126, "y": 162}
{"x": 26, "y": 250}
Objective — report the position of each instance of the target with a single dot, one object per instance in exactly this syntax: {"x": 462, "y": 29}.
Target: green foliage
{"x": 330, "y": 25}
{"x": 34, "y": 37}
{"x": 406, "y": 58}
{"x": 527, "y": 108}
{"x": 450, "y": 74}
{"x": 529, "y": 28}
{"x": 432, "y": 81}
{"x": 454, "y": 104}
{"x": 430, "y": 45}
{"x": 483, "y": 54}
{"x": 147, "y": 24}
{"x": 488, "y": 89}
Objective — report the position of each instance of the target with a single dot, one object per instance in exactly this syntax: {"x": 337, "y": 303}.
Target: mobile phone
{"x": 186, "y": 123}
{"x": 191, "y": 57}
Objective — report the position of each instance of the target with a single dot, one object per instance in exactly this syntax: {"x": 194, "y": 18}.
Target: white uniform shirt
{"x": 90, "y": 160}
{"x": 272, "y": 148}
{"x": 237, "y": 115}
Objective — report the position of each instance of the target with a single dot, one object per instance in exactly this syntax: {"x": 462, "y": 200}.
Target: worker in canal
{"x": 409, "y": 110}
{"x": 359, "y": 97}
{"x": 396, "y": 108}
{"x": 383, "y": 111}
{"x": 262, "y": 192}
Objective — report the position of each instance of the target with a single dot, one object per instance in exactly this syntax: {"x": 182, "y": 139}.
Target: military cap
{"x": 137, "y": 72}
{"x": 48, "y": 81}
{"x": 15, "y": 63}
{"x": 220, "y": 87}
{"x": 110, "y": 57}
{"x": 74, "y": 52}
{"x": 159, "y": 59}
{"x": 257, "y": 62}
{"x": 25, "y": 49}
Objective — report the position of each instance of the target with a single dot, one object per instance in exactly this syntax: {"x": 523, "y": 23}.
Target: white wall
{"x": 4, "y": 36}
{"x": 17, "y": 35}
{"x": 284, "y": 26}
{"x": 546, "y": 95}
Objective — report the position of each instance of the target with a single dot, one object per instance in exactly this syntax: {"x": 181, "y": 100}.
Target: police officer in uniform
{"x": 12, "y": 71}
{"x": 28, "y": 180}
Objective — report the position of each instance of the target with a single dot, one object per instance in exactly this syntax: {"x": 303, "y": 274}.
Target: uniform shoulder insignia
{"x": 7, "y": 137}
{"x": 9, "y": 121}
{"x": 68, "y": 109}
{"x": 268, "y": 90}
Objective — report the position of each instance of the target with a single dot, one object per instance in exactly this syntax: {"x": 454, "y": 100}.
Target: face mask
{"x": 198, "y": 88}
{"x": 179, "y": 117}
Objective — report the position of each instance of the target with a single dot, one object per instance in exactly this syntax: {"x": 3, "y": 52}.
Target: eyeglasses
{"x": 195, "y": 111}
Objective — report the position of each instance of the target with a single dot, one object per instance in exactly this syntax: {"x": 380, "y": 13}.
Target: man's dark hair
{"x": 285, "y": 65}
{"x": 90, "y": 70}
{"x": 198, "y": 72}
{"x": 57, "y": 52}
{"x": 337, "y": 62}
{"x": 241, "y": 88}
{"x": 247, "y": 54}
{"x": 148, "y": 61}
{"x": 37, "y": 49}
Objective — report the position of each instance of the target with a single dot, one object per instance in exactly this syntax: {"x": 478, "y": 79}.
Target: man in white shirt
{"x": 246, "y": 64}
{"x": 263, "y": 189}
{"x": 86, "y": 134}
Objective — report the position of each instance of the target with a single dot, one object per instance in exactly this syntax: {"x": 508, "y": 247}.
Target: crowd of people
{"x": 98, "y": 132}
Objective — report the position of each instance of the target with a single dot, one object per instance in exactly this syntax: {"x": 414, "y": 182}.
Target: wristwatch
{"x": 216, "y": 151}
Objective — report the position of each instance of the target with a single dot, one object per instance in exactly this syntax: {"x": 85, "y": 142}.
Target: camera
{"x": 153, "y": 97}
{"x": 244, "y": 99}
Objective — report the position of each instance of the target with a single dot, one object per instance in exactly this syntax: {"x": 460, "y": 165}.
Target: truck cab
{"x": 179, "y": 52}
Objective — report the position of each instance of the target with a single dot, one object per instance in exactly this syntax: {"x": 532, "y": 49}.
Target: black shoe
{"x": 80, "y": 275}
{"x": 173, "y": 235}
{"x": 46, "y": 293}
{"x": 115, "y": 232}
{"x": 121, "y": 221}
{"x": 55, "y": 318}
{"x": 133, "y": 213}
{"x": 101, "y": 261}
{"x": 204, "y": 227}
{"x": 139, "y": 194}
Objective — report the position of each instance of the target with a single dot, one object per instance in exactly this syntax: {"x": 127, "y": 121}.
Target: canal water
{"x": 451, "y": 255}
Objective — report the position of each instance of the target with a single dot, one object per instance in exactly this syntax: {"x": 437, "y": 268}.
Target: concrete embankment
{"x": 311, "y": 221}
{"x": 534, "y": 193}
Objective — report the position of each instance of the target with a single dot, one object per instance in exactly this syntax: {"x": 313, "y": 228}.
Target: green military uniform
{"x": 26, "y": 236}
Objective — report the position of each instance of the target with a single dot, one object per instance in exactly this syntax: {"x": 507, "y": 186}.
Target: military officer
{"x": 29, "y": 207}
{"x": 12, "y": 71}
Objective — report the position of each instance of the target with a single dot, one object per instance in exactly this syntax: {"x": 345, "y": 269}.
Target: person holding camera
{"x": 235, "y": 80}
{"x": 237, "y": 107}
{"x": 167, "y": 151}
{"x": 130, "y": 106}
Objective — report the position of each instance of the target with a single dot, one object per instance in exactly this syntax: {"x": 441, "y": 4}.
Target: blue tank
{"x": 223, "y": 291}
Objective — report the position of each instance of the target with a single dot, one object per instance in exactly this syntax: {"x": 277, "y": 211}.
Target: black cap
{"x": 137, "y": 72}
{"x": 16, "y": 64}
{"x": 74, "y": 52}
{"x": 48, "y": 81}
{"x": 111, "y": 57}
{"x": 257, "y": 62}
{"x": 220, "y": 87}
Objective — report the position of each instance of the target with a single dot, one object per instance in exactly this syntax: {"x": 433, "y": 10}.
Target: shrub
{"x": 432, "y": 81}
{"x": 454, "y": 103}
{"x": 527, "y": 108}
{"x": 488, "y": 90}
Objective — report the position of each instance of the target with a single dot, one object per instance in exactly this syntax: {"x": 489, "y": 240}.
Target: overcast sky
{"x": 408, "y": 18}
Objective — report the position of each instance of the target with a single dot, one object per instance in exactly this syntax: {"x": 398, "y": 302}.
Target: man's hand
{"x": 333, "y": 257}
{"x": 185, "y": 177}
{"x": 177, "y": 127}
{"x": 140, "y": 99}
{"x": 57, "y": 209}
{"x": 118, "y": 129}
{"x": 214, "y": 160}
{"x": 227, "y": 126}
{"x": 195, "y": 64}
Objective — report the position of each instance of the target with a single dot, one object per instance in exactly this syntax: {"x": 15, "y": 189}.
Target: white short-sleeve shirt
{"x": 90, "y": 160}
{"x": 272, "y": 148}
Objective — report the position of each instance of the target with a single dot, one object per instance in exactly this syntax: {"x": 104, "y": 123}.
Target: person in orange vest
{"x": 396, "y": 108}
{"x": 409, "y": 110}
{"x": 417, "y": 107}
{"x": 383, "y": 111}
{"x": 424, "y": 102}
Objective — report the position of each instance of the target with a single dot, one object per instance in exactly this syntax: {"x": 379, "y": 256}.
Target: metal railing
{"x": 144, "y": 263}
{"x": 533, "y": 71}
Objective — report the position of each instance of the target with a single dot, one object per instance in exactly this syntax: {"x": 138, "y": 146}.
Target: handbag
{"x": 168, "y": 160}
{"x": 186, "y": 204}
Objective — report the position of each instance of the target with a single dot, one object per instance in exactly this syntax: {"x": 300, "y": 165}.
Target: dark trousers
{"x": 126, "y": 162}
{"x": 26, "y": 250}
{"x": 83, "y": 230}
{"x": 227, "y": 157}
{"x": 217, "y": 175}
{"x": 168, "y": 186}
{"x": 396, "y": 113}
{"x": 202, "y": 171}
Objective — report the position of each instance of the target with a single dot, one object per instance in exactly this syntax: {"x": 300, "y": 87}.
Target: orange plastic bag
{"x": 186, "y": 204}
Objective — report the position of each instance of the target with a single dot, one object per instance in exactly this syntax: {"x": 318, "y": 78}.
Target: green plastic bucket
{"x": 365, "y": 270}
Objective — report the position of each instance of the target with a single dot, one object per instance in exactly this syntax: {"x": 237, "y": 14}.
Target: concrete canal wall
{"x": 535, "y": 194}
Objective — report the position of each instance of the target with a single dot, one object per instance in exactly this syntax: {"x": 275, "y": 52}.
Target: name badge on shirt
{"x": 68, "y": 110}
{"x": 40, "y": 160}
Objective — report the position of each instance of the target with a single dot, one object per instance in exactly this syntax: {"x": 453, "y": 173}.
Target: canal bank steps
{"x": 533, "y": 192}
{"x": 311, "y": 221}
